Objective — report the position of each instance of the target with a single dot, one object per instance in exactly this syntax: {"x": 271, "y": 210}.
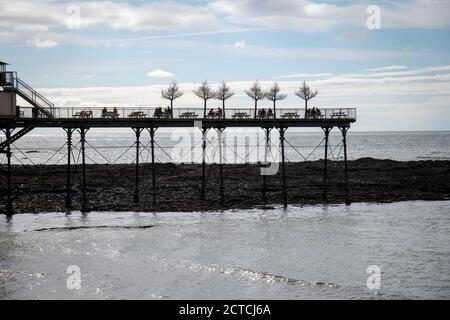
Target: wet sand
{"x": 111, "y": 187}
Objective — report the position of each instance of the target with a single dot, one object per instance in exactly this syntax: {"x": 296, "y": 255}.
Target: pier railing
{"x": 194, "y": 113}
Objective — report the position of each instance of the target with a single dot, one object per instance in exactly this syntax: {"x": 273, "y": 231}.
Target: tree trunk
{"x": 256, "y": 106}
{"x": 306, "y": 107}
{"x": 274, "y": 109}
{"x": 171, "y": 108}
{"x": 223, "y": 108}
{"x": 204, "y": 110}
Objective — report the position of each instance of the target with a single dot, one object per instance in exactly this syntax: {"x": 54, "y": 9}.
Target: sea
{"x": 42, "y": 146}
{"x": 395, "y": 250}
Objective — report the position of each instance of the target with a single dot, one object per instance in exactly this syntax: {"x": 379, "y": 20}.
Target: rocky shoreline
{"x": 110, "y": 187}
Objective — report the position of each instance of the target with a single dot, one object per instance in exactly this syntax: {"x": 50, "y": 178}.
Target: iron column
{"x": 266, "y": 151}
{"x": 283, "y": 169}
{"x": 204, "y": 133}
{"x": 327, "y": 133}
{"x": 152, "y": 146}
{"x": 219, "y": 133}
{"x": 136, "y": 186}
{"x": 344, "y": 142}
{"x": 9, "y": 205}
{"x": 83, "y": 163}
{"x": 69, "y": 156}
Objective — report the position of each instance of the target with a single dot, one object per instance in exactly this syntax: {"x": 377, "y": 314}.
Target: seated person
{"x": 157, "y": 113}
{"x": 263, "y": 113}
{"x": 166, "y": 114}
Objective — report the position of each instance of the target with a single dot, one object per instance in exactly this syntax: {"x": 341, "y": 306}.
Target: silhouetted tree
{"x": 275, "y": 95}
{"x": 306, "y": 94}
{"x": 204, "y": 92}
{"x": 223, "y": 93}
{"x": 255, "y": 92}
{"x": 171, "y": 93}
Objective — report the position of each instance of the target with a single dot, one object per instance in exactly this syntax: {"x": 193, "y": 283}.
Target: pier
{"x": 17, "y": 121}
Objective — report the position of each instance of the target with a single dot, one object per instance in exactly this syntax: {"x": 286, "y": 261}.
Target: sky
{"x": 388, "y": 59}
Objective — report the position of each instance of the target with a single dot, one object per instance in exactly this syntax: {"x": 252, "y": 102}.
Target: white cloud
{"x": 303, "y": 75}
{"x": 21, "y": 18}
{"x": 118, "y": 15}
{"x": 240, "y": 44}
{"x": 341, "y": 87}
{"x": 160, "y": 74}
{"x": 386, "y": 68}
{"x": 409, "y": 72}
{"x": 45, "y": 43}
{"x": 309, "y": 16}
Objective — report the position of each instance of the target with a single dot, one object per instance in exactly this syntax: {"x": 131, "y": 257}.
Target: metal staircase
{"x": 19, "y": 134}
{"x": 10, "y": 82}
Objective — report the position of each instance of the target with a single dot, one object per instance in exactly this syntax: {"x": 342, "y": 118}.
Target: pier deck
{"x": 167, "y": 123}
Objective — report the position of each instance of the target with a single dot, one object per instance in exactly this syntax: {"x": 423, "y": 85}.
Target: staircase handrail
{"x": 37, "y": 94}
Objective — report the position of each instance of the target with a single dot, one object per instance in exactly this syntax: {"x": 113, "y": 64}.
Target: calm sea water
{"x": 41, "y": 147}
{"x": 307, "y": 252}
{"x": 302, "y": 253}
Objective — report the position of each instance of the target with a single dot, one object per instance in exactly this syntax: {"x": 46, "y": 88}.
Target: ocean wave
{"x": 91, "y": 227}
{"x": 244, "y": 273}
{"x": 433, "y": 158}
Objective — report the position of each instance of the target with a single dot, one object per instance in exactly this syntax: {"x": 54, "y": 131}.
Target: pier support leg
{"x": 235, "y": 149}
{"x": 9, "y": 204}
{"x": 266, "y": 153}
{"x": 283, "y": 167}
{"x": 204, "y": 133}
{"x": 136, "y": 184}
{"x": 84, "y": 207}
{"x": 152, "y": 147}
{"x": 344, "y": 142}
{"x": 192, "y": 148}
{"x": 219, "y": 134}
{"x": 247, "y": 150}
{"x": 69, "y": 156}
{"x": 327, "y": 134}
